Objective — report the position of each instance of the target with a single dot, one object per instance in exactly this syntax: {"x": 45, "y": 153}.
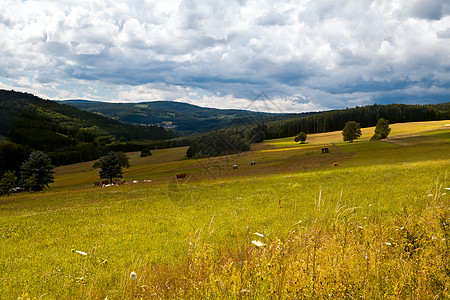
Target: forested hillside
{"x": 67, "y": 133}
{"x": 184, "y": 118}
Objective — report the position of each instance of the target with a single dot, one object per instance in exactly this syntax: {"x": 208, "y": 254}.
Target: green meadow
{"x": 291, "y": 227}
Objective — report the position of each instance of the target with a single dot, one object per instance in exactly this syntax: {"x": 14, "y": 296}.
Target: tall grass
{"x": 367, "y": 231}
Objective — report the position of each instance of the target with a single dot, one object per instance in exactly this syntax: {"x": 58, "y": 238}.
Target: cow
{"x": 235, "y": 166}
{"x": 181, "y": 176}
{"x": 252, "y": 163}
{"x": 119, "y": 181}
{"x": 100, "y": 183}
{"x": 335, "y": 164}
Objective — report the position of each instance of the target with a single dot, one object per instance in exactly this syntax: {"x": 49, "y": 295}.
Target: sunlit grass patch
{"x": 139, "y": 228}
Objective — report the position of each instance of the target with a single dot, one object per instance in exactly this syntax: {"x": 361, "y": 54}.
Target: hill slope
{"x": 52, "y": 127}
{"x": 185, "y": 118}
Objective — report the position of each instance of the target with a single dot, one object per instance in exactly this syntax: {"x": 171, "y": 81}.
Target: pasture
{"x": 376, "y": 226}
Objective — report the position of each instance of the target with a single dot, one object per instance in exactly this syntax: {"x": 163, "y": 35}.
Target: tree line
{"x": 238, "y": 139}
{"x": 366, "y": 116}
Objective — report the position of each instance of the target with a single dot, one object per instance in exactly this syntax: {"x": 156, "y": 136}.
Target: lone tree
{"x": 382, "y": 130}
{"x": 351, "y": 131}
{"x": 7, "y": 182}
{"x": 300, "y": 137}
{"x": 110, "y": 167}
{"x": 37, "y": 172}
{"x": 123, "y": 160}
{"x": 145, "y": 152}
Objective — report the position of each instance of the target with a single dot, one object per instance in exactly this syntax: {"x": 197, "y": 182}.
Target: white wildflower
{"x": 388, "y": 244}
{"x": 430, "y": 195}
{"x": 259, "y": 234}
{"x": 258, "y": 243}
{"x": 79, "y": 252}
{"x": 448, "y": 189}
{"x": 133, "y": 276}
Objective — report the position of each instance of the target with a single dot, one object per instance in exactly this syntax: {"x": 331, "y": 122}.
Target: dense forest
{"x": 67, "y": 134}
{"x": 185, "y": 119}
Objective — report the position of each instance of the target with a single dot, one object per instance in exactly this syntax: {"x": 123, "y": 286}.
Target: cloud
{"x": 427, "y": 9}
{"x": 334, "y": 53}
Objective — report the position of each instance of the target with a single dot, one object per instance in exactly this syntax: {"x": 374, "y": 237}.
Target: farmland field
{"x": 375, "y": 226}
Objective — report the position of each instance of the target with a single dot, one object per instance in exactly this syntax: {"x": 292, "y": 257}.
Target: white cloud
{"x": 334, "y": 53}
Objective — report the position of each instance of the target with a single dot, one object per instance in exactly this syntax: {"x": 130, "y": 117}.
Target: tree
{"x": 7, "y": 182}
{"x": 39, "y": 167}
{"x": 351, "y": 131}
{"x": 123, "y": 160}
{"x": 145, "y": 152}
{"x": 382, "y": 130}
{"x": 258, "y": 133}
{"x": 110, "y": 167}
{"x": 300, "y": 137}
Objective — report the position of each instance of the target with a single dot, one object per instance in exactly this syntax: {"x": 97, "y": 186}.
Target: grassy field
{"x": 376, "y": 226}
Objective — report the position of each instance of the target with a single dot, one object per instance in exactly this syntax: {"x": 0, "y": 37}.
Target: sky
{"x": 276, "y": 56}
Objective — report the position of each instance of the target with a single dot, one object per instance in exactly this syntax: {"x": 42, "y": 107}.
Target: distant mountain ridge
{"x": 184, "y": 118}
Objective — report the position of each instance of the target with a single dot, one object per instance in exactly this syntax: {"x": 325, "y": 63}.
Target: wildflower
{"x": 133, "y": 276}
{"x": 430, "y": 195}
{"x": 258, "y": 243}
{"x": 259, "y": 234}
{"x": 387, "y": 243}
{"x": 448, "y": 189}
{"x": 79, "y": 252}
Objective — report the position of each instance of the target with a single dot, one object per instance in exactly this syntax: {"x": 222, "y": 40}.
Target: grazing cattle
{"x": 325, "y": 150}
{"x": 181, "y": 176}
{"x": 252, "y": 163}
{"x": 235, "y": 167}
{"x": 147, "y": 180}
{"x": 119, "y": 181}
{"x": 335, "y": 164}
{"x": 101, "y": 183}
{"x": 135, "y": 181}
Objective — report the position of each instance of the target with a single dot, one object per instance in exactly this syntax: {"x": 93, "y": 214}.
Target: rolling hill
{"x": 69, "y": 134}
{"x": 293, "y": 226}
{"x": 184, "y": 118}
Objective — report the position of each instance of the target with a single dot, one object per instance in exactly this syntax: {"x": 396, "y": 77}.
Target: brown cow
{"x": 335, "y": 164}
{"x": 181, "y": 176}
{"x": 100, "y": 183}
